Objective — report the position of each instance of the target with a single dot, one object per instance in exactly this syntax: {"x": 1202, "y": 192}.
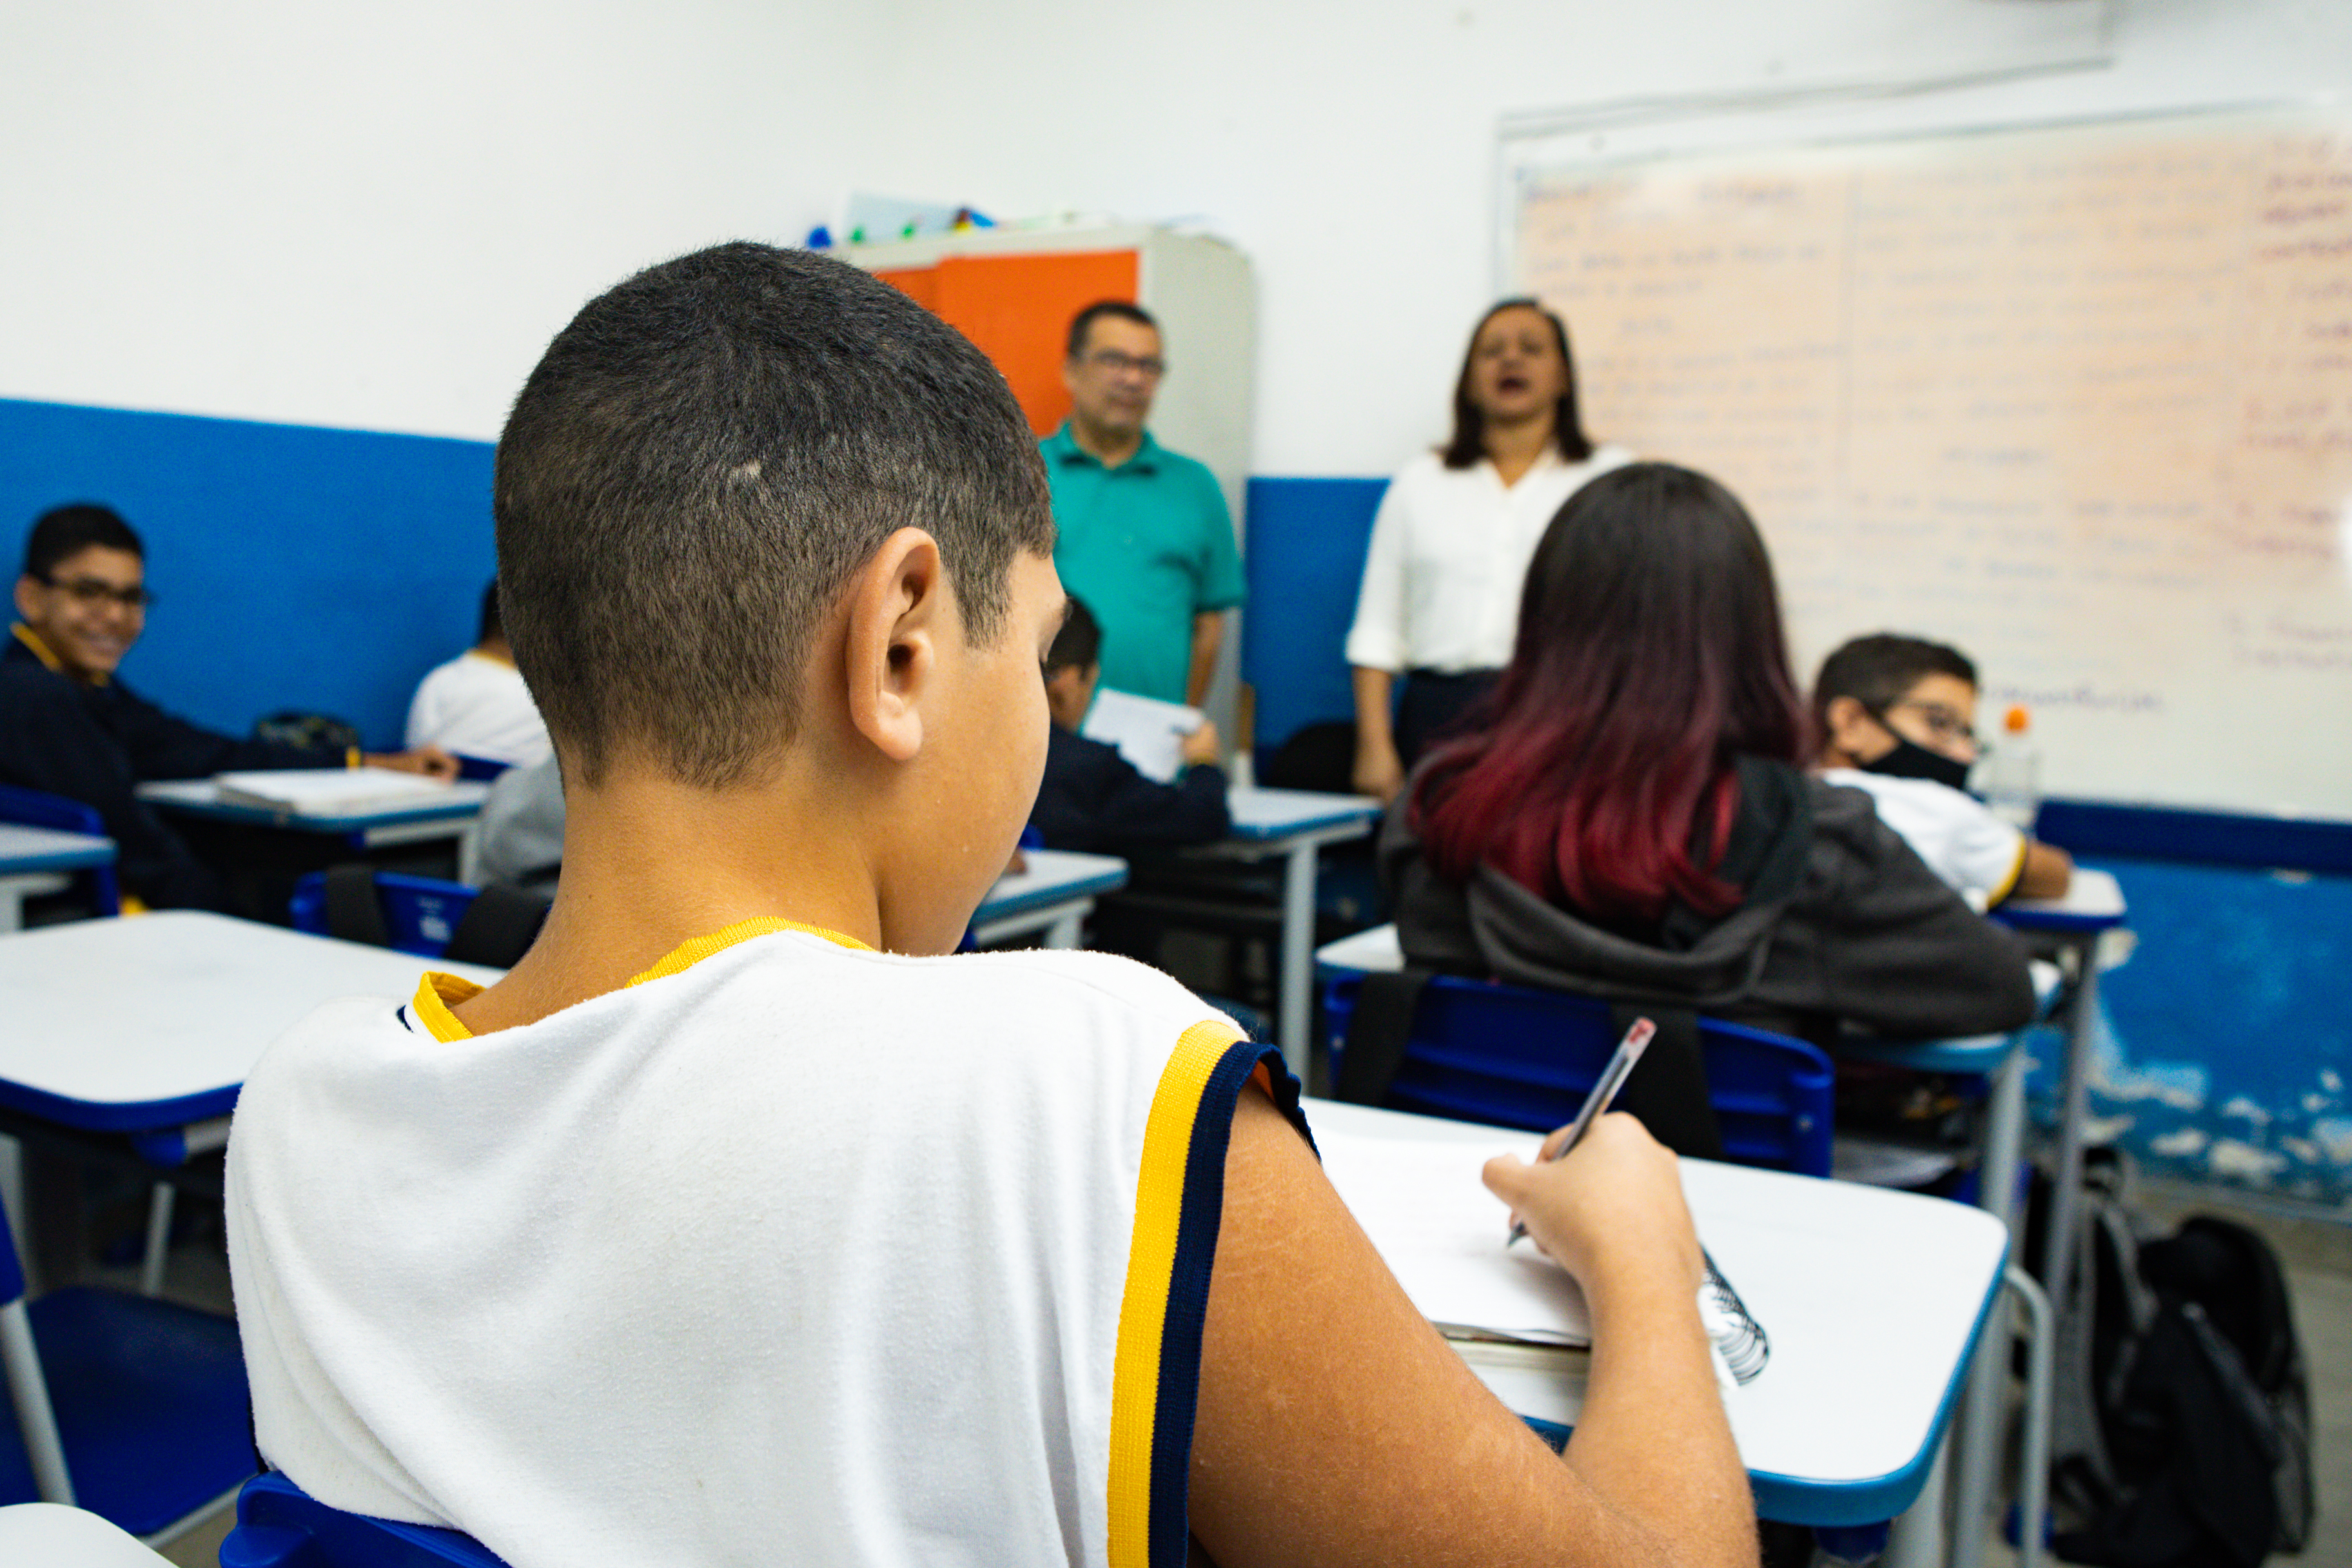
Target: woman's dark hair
{"x": 1649, "y": 654}
{"x": 1469, "y": 442}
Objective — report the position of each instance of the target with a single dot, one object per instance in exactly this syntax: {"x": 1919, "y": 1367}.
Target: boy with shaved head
{"x": 744, "y": 1221}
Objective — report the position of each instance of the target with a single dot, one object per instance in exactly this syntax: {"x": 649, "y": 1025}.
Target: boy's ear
{"x": 899, "y": 609}
{"x": 1852, "y": 730}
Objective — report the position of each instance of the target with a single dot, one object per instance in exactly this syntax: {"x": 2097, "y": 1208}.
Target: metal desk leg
{"x": 1294, "y": 985}
{"x": 1986, "y": 1406}
{"x": 2074, "y": 1108}
{"x": 1917, "y": 1540}
{"x": 1068, "y": 926}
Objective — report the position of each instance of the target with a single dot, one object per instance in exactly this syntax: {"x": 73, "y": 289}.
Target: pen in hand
{"x": 1613, "y": 1079}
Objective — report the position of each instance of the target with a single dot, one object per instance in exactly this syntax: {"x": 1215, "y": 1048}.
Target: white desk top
{"x": 2094, "y": 901}
{"x": 1051, "y": 876}
{"x": 201, "y": 798}
{"x": 24, "y": 849}
{"x": 154, "y": 1020}
{"x": 48, "y": 1535}
{"x": 1871, "y": 1300}
{"x": 1373, "y": 952}
{"x": 1266, "y": 814}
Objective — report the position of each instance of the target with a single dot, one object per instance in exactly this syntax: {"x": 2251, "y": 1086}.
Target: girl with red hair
{"x": 1629, "y": 817}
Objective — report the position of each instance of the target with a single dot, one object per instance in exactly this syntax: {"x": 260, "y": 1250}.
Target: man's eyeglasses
{"x": 1942, "y": 722}
{"x": 1121, "y": 363}
{"x": 91, "y": 592}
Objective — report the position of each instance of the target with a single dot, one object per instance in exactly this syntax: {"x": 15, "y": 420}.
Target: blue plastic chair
{"x": 133, "y": 1409}
{"x": 1514, "y": 1056}
{"x": 421, "y": 912}
{"x": 32, "y": 808}
{"x": 279, "y": 1525}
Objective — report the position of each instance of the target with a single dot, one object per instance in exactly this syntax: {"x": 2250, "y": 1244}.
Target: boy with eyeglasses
{"x": 67, "y": 727}
{"x": 1897, "y": 720}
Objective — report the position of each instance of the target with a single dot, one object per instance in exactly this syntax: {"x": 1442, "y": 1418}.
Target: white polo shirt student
{"x": 477, "y": 704}
{"x": 1897, "y": 715}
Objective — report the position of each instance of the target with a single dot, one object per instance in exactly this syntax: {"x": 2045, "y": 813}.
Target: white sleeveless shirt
{"x": 790, "y": 1251}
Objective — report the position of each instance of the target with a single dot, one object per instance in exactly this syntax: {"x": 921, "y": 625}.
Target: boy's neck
{"x": 650, "y": 863}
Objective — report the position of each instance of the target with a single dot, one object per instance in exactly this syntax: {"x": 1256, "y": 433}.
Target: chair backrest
{"x": 1514, "y": 1056}
{"x": 423, "y": 915}
{"x": 35, "y": 808}
{"x": 279, "y": 1525}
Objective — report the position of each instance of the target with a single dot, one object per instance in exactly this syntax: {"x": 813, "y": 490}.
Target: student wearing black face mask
{"x": 1898, "y": 718}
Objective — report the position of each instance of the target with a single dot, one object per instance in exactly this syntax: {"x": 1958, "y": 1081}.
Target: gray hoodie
{"x": 1840, "y": 922}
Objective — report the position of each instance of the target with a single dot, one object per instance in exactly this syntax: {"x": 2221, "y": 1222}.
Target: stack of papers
{"x": 1148, "y": 733}
{"x": 330, "y": 791}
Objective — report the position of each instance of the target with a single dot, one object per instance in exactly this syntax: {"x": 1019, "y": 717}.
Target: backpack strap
{"x": 1668, "y": 1089}
{"x": 499, "y": 927}
{"x": 1378, "y": 1034}
{"x": 353, "y": 912}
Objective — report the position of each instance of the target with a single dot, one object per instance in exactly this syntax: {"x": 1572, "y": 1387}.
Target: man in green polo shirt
{"x": 1145, "y": 537}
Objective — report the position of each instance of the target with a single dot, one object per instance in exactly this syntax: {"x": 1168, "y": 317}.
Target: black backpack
{"x": 2182, "y": 1425}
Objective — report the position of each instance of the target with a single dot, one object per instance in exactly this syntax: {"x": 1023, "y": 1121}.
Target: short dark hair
{"x": 63, "y": 532}
{"x": 702, "y": 460}
{"x": 1078, "y": 645}
{"x": 1467, "y": 445}
{"x": 1878, "y": 669}
{"x": 1123, "y": 310}
{"x": 491, "y": 626}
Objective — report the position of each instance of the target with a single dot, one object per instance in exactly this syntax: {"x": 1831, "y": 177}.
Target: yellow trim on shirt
{"x": 2009, "y": 883}
{"x": 436, "y": 994}
{"x": 56, "y": 666}
{"x": 686, "y": 954}
{"x": 1150, "y": 1264}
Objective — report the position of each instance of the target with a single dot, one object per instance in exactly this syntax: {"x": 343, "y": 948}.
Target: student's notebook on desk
{"x": 1441, "y": 1233}
{"x": 330, "y": 791}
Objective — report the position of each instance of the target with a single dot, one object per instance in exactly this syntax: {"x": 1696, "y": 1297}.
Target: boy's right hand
{"x": 1616, "y": 1199}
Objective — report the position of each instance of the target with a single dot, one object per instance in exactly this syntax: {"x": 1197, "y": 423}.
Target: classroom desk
{"x": 35, "y": 1534}
{"x": 147, "y": 1026}
{"x": 1873, "y": 1302}
{"x": 125, "y": 1026}
{"x": 36, "y": 860}
{"x": 1053, "y": 893}
{"x": 2093, "y": 906}
{"x": 450, "y": 816}
{"x": 1293, "y": 825}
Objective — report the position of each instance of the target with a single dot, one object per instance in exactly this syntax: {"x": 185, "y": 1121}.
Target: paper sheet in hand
{"x": 1148, "y": 733}
{"x": 330, "y": 791}
{"x": 1441, "y": 1233}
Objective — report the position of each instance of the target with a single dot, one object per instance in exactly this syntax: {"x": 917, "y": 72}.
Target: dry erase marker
{"x": 1613, "y": 1079}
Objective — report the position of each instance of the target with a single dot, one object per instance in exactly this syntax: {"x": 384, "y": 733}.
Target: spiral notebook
{"x": 1441, "y": 1234}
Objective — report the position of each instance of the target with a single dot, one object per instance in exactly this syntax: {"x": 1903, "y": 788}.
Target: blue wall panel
{"x": 2226, "y": 1045}
{"x": 1306, "y": 540}
{"x": 296, "y": 567}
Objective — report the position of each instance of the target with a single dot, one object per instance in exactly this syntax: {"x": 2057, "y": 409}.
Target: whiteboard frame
{"x": 1626, "y": 133}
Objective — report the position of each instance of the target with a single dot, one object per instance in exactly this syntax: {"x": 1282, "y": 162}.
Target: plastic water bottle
{"x": 2012, "y": 772}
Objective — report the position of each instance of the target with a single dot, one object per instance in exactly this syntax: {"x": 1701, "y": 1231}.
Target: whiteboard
{"x": 2077, "y": 399}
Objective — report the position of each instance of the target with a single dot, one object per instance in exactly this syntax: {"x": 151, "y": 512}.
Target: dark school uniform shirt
{"x": 1093, "y": 799}
{"x": 96, "y": 743}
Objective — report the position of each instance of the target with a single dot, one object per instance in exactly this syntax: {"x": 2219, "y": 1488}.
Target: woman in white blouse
{"x": 1450, "y": 548}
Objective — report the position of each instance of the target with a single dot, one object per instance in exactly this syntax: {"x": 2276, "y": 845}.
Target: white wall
{"x": 283, "y": 210}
